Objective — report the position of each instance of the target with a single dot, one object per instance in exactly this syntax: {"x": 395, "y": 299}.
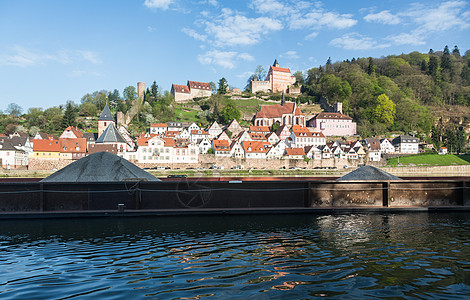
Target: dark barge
{"x": 228, "y": 196}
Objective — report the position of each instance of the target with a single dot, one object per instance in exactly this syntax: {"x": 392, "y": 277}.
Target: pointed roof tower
{"x": 106, "y": 114}
{"x": 111, "y": 135}
{"x": 275, "y": 64}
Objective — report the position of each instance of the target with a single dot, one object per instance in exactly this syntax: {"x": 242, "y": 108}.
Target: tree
{"x": 223, "y": 86}
{"x": 215, "y": 104}
{"x": 130, "y": 94}
{"x": 114, "y": 98}
{"x": 69, "y": 118}
{"x": 90, "y": 109}
{"x": 35, "y": 116}
{"x": 154, "y": 92}
{"x": 433, "y": 66}
{"x": 456, "y": 52}
{"x": 213, "y": 87}
{"x": 446, "y": 63}
{"x": 299, "y": 78}
{"x": 384, "y": 110}
{"x": 334, "y": 88}
{"x": 14, "y": 110}
{"x": 371, "y": 67}
{"x": 260, "y": 73}
{"x": 229, "y": 113}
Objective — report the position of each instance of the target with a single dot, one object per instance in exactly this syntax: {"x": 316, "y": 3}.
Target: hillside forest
{"x": 422, "y": 94}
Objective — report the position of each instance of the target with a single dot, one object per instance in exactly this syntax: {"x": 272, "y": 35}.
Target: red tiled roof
{"x": 46, "y": 146}
{"x": 142, "y": 141}
{"x": 158, "y": 125}
{"x": 308, "y": 134}
{"x": 75, "y": 131}
{"x": 332, "y": 116}
{"x": 94, "y": 148}
{"x": 169, "y": 142}
{"x": 180, "y": 88}
{"x": 171, "y": 133}
{"x": 221, "y": 145}
{"x": 298, "y": 112}
{"x": 278, "y": 69}
{"x": 199, "y": 85}
{"x": 199, "y": 132}
{"x": 259, "y": 129}
{"x": 73, "y": 145}
{"x": 299, "y": 128}
{"x": 275, "y": 111}
{"x": 257, "y": 136}
{"x": 295, "y": 151}
{"x": 255, "y": 146}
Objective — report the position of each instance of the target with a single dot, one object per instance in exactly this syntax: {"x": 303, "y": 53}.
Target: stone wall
{"x": 47, "y": 164}
{"x": 208, "y": 160}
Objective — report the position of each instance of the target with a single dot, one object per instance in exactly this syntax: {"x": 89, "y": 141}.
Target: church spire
{"x": 106, "y": 114}
{"x": 275, "y": 64}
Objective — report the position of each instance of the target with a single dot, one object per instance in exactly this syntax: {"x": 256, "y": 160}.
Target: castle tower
{"x": 338, "y": 107}
{"x": 276, "y": 64}
{"x": 140, "y": 89}
{"x": 105, "y": 119}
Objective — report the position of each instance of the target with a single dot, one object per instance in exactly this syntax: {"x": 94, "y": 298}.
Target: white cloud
{"x": 88, "y": 56}
{"x": 406, "y": 39}
{"x": 22, "y": 57}
{"x": 311, "y": 36}
{"x": 246, "y": 74}
{"x": 447, "y": 16}
{"x": 246, "y": 56}
{"x": 290, "y": 54}
{"x": 192, "y": 33}
{"x": 427, "y": 21}
{"x": 272, "y": 7}
{"x": 319, "y": 18}
{"x": 226, "y": 59}
{"x": 234, "y": 29}
{"x": 355, "y": 41}
{"x": 158, "y": 4}
{"x": 383, "y": 17}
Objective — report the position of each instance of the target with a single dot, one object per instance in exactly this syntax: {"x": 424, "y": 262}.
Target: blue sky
{"x": 54, "y": 51}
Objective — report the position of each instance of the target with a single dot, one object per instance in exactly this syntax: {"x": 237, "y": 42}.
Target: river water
{"x": 342, "y": 256}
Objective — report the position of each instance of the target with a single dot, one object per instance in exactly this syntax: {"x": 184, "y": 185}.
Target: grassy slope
{"x": 430, "y": 160}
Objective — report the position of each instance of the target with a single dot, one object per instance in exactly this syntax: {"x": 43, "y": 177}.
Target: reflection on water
{"x": 415, "y": 255}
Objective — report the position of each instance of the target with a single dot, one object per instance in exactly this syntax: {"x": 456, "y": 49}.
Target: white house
{"x": 277, "y": 150}
{"x": 158, "y": 128}
{"x": 193, "y": 126}
{"x": 406, "y": 144}
{"x": 386, "y": 146}
{"x": 214, "y": 130}
{"x": 374, "y": 155}
{"x": 255, "y": 149}
{"x": 198, "y": 134}
{"x": 204, "y": 145}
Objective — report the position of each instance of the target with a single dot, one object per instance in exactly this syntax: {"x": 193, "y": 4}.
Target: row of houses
{"x": 176, "y": 142}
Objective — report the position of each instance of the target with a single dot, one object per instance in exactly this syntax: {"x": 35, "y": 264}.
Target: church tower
{"x": 276, "y": 64}
{"x": 105, "y": 119}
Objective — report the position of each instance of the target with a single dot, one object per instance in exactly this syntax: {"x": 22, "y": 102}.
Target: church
{"x": 287, "y": 114}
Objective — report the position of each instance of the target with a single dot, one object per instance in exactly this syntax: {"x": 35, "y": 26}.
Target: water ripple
{"x": 417, "y": 255}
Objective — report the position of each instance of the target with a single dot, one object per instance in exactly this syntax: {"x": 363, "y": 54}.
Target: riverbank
{"x": 426, "y": 171}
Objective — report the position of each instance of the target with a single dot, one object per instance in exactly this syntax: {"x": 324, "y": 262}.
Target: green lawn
{"x": 251, "y": 105}
{"x": 189, "y": 114}
{"x": 430, "y": 160}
